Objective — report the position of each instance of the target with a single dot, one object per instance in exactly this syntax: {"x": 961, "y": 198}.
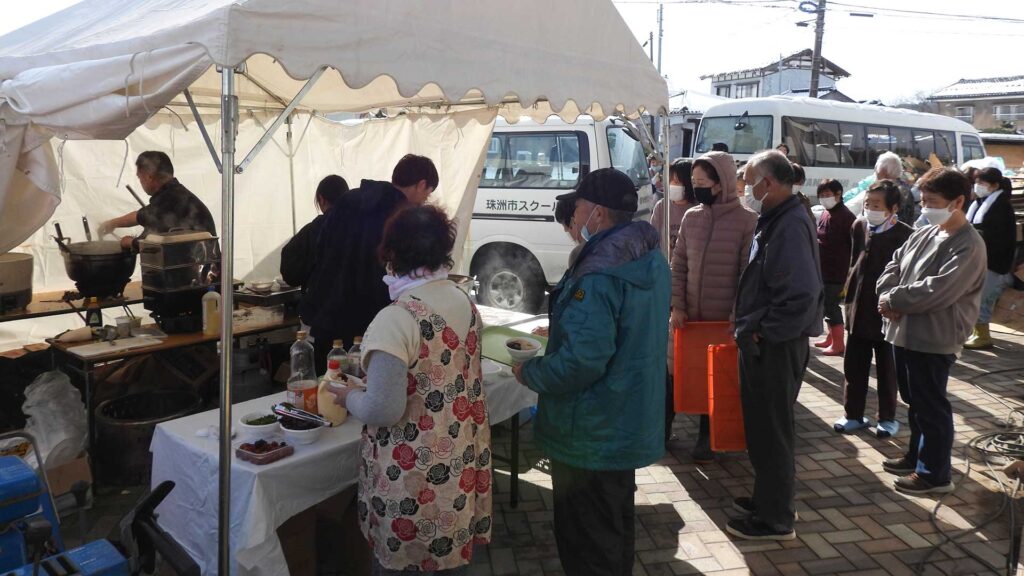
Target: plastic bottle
{"x": 211, "y": 312}
{"x": 302, "y": 386}
{"x": 93, "y": 314}
{"x": 355, "y": 358}
{"x": 338, "y": 353}
{"x": 333, "y": 380}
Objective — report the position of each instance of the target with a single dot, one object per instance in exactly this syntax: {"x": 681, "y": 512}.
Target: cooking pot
{"x": 100, "y": 268}
{"x": 15, "y": 281}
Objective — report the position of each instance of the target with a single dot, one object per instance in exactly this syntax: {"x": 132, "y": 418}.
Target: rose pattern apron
{"x": 425, "y": 483}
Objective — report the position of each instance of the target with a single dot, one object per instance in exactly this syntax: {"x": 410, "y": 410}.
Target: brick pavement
{"x": 851, "y": 520}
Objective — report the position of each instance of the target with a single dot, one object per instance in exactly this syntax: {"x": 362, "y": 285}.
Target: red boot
{"x": 838, "y": 347}
{"x": 826, "y": 342}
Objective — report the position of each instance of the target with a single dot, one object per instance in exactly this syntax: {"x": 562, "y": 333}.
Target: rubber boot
{"x": 980, "y": 338}
{"x": 838, "y": 347}
{"x": 826, "y": 342}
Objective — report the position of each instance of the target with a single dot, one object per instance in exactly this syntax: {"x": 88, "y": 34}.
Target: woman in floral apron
{"x": 425, "y": 466}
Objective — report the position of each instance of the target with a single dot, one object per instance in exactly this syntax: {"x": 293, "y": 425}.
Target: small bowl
{"x": 527, "y": 348}
{"x": 260, "y": 287}
{"x": 257, "y": 430}
{"x": 302, "y": 437}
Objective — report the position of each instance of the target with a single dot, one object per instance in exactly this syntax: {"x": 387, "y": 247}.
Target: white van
{"x": 517, "y": 250}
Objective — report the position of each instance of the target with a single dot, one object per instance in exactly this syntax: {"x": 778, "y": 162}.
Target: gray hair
{"x": 155, "y": 163}
{"x": 889, "y": 166}
{"x": 772, "y": 163}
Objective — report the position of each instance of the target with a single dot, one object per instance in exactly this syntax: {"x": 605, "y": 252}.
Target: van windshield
{"x": 755, "y": 136}
{"x": 627, "y": 155}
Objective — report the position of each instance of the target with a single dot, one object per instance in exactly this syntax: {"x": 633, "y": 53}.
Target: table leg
{"x": 90, "y": 422}
{"x": 514, "y": 461}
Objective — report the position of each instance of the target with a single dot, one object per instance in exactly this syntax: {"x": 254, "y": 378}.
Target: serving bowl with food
{"x": 258, "y": 424}
{"x": 522, "y": 348}
{"x": 300, "y": 431}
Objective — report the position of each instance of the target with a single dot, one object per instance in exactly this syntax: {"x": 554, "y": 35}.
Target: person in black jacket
{"x": 992, "y": 216}
{"x": 298, "y": 254}
{"x": 346, "y": 286}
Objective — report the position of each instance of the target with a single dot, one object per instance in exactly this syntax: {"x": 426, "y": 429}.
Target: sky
{"x": 890, "y": 56}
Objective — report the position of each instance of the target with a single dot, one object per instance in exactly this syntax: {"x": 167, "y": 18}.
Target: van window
{"x": 627, "y": 155}
{"x": 878, "y": 142}
{"x": 855, "y": 144}
{"x": 973, "y": 149}
{"x": 549, "y": 160}
{"x": 754, "y": 136}
{"x": 945, "y": 147}
{"x": 817, "y": 142}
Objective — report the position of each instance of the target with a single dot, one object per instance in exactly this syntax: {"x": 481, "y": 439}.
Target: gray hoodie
{"x": 935, "y": 283}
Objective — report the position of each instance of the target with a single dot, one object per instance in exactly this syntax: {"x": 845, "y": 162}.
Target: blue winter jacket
{"x": 602, "y": 379}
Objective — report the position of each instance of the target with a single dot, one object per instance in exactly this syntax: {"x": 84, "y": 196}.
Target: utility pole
{"x": 819, "y": 32}
{"x": 650, "y": 45}
{"x": 661, "y": 14}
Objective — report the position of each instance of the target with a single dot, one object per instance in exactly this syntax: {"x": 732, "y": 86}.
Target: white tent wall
{"x": 263, "y": 209}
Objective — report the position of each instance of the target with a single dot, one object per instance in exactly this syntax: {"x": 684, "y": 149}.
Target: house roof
{"x": 824, "y": 93}
{"x": 966, "y": 88}
{"x": 797, "y": 60}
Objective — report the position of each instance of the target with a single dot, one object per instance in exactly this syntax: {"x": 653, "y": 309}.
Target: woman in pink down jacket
{"x": 710, "y": 253}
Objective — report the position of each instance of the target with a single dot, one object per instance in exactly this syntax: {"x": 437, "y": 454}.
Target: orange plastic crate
{"x": 724, "y": 404}
{"x": 690, "y": 370}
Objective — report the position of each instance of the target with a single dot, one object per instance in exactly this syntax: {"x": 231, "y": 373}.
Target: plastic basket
{"x": 724, "y": 404}
{"x": 690, "y": 370}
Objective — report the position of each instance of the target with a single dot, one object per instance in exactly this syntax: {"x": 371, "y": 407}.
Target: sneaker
{"x": 887, "y": 428}
{"x": 845, "y": 425}
{"x": 899, "y": 466}
{"x": 915, "y": 485}
{"x": 754, "y": 529}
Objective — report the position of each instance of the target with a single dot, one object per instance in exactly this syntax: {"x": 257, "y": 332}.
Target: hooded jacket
{"x": 712, "y": 249}
{"x": 835, "y": 243}
{"x": 601, "y": 380}
{"x": 346, "y": 286}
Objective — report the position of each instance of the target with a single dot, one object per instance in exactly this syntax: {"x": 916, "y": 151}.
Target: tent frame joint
{"x": 280, "y": 120}
{"x": 202, "y": 130}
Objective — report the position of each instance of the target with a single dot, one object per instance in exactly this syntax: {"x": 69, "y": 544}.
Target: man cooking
{"x": 171, "y": 206}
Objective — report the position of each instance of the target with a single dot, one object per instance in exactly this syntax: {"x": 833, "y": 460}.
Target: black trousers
{"x": 770, "y": 378}
{"x": 922, "y": 380}
{"x": 857, "y": 369}
{"x": 594, "y": 514}
{"x": 670, "y": 407}
{"x": 833, "y": 312}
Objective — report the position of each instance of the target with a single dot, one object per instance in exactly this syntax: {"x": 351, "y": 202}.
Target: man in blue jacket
{"x": 780, "y": 303}
{"x": 601, "y": 380}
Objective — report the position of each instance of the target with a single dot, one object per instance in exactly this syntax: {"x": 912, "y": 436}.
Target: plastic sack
{"x": 56, "y": 418}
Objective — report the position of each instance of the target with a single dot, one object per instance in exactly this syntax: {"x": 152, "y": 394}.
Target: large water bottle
{"x": 338, "y": 354}
{"x": 302, "y": 382}
{"x": 355, "y": 358}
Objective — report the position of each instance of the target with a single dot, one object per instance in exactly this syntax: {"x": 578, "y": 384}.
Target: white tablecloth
{"x": 264, "y": 497}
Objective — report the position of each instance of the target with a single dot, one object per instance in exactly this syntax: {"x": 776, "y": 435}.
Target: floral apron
{"x": 425, "y": 483}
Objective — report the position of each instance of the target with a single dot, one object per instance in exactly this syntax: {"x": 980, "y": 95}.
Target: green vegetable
{"x": 262, "y": 420}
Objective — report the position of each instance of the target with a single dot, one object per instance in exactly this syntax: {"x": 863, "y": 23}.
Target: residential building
{"x": 986, "y": 103}
{"x": 789, "y": 75}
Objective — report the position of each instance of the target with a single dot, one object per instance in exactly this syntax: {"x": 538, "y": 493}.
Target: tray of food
{"x": 263, "y": 451}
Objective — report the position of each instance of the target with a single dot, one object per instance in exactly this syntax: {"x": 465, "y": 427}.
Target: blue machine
{"x": 30, "y": 544}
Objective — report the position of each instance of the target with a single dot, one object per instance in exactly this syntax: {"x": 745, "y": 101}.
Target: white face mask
{"x": 753, "y": 202}
{"x": 876, "y": 217}
{"x": 827, "y": 203}
{"x": 981, "y": 190}
{"x": 936, "y": 216}
{"x": 675, "y": 192}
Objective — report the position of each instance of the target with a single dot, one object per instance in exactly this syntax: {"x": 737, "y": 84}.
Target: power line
{"x": 932, "y": 14}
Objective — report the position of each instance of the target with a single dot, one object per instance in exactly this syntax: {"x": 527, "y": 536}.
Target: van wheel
{"x": 517, "y": 286}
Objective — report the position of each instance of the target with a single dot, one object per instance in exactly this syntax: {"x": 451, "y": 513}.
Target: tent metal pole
{"x": 229, "y": 125}
{"x": 280, "y": 120}
{"x": 291, "y": 169}
{"x": 202, "y": 130}
{"x": 666, "y": 238}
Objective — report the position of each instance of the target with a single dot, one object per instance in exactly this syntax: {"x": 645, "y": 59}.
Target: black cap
{"x": 606, "y": 187}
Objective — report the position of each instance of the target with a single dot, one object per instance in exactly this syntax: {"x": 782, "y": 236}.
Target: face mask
{"x": 753, "y": 202}
{"x": 675, "y": 192}
{"x": 981, "y": 191}
{"x": 704, "y": 196}
{"x": 584, "y": 233}
{"x": 827, "y": 203}
{"x": 876, "y": 217}
{"x": 936, "y": 216}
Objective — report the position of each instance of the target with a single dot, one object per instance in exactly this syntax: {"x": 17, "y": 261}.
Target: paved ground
{"x": 851, "y": 520}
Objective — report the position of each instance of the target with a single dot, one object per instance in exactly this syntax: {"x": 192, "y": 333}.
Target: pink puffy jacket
{"x": 712, "y": 249}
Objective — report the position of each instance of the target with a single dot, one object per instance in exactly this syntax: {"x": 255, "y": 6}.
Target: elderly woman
{"x": 425, "y": 466}
{"x": 992, "y": 215}
{"x": 709, "y": 256}
{"x": 890, "y": 167}
{"x": 929, "y": 293}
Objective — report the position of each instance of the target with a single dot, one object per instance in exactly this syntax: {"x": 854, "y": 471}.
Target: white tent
{"x": 102, "y": 68}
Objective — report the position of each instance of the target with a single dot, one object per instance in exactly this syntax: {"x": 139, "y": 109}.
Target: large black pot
{"x": 100, "y": 268}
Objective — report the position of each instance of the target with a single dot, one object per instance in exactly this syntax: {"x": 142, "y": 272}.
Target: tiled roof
{"x": 981, "y": 87}
{"x": 793, "y": 60}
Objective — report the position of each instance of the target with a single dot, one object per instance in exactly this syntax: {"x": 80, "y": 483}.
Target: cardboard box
{"x": 62, "y": 477}
{"x": 1009, "y": 310}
